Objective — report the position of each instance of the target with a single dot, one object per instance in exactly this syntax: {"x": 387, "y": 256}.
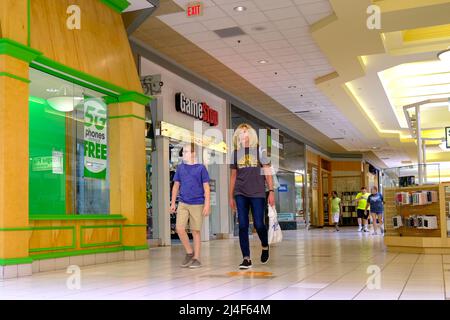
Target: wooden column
{"x": 14, "y": 92}
{"x": 127, "y": 169}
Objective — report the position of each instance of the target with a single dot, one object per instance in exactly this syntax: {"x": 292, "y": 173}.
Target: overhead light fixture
{"x": 292, "y": 87}
{"x": 263, "y": 61}
{"x": 52, "y": 90}
{"x": 64, "y": 103}
{"x": 444, "y": 56}
{"x": 240, "y": 8}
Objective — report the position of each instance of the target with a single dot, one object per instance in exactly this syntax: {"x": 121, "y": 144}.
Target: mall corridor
{"x": 314, "y": 264}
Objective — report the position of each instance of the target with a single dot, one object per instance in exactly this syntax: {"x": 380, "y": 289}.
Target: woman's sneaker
{"x": 187, "y": 260}
{"x": 265, "y": 256}
{"x": 245, "y": 264}
{"x": 195, "y": 264}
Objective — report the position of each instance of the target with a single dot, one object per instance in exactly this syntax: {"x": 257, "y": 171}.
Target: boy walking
{"x": 192, "y": 180}
{"x": 336, "y": 209}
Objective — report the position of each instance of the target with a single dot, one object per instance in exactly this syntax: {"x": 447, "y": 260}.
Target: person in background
{"x": 192, "y": 180}
{"x": 250, "y": 170}
{"x": 336, "y": 209}
{"x": 376, "y": 203}
{"x": 361, "y": 199}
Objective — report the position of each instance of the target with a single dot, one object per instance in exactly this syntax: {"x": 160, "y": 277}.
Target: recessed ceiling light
{"x": 239, "y": 8}
{"x": 263, "y": 61}
{"x": 444, "y": 56}
{"x": 292, "y": 87}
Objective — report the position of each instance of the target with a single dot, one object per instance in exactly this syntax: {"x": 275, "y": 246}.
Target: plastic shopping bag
{"x": 275, "y": 234}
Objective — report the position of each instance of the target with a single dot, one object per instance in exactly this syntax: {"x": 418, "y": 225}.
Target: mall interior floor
{"x": 314, "y": 264}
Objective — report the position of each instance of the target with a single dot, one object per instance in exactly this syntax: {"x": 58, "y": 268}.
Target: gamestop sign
{"x": 198, "y": 110}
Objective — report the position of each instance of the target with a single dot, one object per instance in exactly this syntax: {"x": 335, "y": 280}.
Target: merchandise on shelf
{"x": 397, "y": 222}
{"x": 416, "y": 198}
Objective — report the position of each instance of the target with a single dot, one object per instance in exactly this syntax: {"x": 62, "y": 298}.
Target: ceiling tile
{"x": 247, "y": 48}
{"x": 316, "y": 17}
{"x": 277, "y": 44}
{"x": 215, "y": 44}
{"x": 292, "y": 23}
{"x": 250, "y": 18}
{"x": 188, "y": 28}
{"x": 219, "y": 23}
{"x": 270, "y": 4}
{"x": 202, "y": 36}
{"x": 281, "y": 52}
{"x": 221, "y": 52}
{"x": 228, "y": 7}
{"x": 173, "y": 19}
{"x": 309, "y": 9}
{"x": 268, "y": 36}
{"x": 283, "y": 13}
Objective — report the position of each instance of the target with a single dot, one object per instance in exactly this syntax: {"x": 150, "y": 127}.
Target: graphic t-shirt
{"x": 376, "y": 203}
{"x": 250, "y": 178}
{"x": 191, "y": 179}
{"x": 335, "y": 205}
{"x": 363, "y": 201}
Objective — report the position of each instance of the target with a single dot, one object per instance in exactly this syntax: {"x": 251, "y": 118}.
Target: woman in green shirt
{"x": 336, "y": 209}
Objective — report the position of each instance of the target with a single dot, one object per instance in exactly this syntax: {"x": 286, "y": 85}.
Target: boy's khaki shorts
{"x": 192, "y": 213}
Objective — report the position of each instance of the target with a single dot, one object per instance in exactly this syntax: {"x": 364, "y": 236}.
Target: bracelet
{"x": 271, "y": 190}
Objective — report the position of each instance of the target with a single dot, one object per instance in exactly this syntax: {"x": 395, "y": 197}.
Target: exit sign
{"x": 194, "y": 9}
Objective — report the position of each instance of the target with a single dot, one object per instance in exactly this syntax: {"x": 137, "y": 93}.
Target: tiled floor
{"x": 315, "y": 264}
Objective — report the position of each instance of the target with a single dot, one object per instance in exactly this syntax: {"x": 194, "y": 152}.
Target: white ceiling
{"x": 276, "y": 31}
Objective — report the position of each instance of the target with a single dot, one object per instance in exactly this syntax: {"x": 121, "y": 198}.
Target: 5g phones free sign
{"x": 95, "y": 139}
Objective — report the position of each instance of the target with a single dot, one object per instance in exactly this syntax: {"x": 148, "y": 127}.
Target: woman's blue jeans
{"x": 257, "y": 205}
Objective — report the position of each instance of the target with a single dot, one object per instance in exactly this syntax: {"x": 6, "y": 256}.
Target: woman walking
{"x": 250, "y": 170}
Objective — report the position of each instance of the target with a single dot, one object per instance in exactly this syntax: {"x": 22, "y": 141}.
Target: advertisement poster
{"x": 95, "y": 139}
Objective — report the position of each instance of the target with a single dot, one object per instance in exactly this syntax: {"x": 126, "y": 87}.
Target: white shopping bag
{"x": 275, "y": 234}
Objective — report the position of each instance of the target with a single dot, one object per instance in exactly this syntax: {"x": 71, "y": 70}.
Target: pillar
{"x": 127, "y": 170}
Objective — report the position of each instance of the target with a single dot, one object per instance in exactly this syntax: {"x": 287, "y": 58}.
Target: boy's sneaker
{"x": 187, "y": 260}
{"x": 195, "y": 264}
{"x": 246, "y": 264}
{"x": 265, "y": 256}
{"x": 359, "y": 228}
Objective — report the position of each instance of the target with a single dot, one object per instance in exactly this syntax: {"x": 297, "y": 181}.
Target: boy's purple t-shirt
{"x": 191, "y": 179}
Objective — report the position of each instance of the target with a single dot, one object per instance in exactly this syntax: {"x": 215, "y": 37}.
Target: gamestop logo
{"x": 198, "y": 110}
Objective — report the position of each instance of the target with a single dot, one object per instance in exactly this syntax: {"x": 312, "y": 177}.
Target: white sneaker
{"x": 360, "y": 229}
{"x": 366, "y": 230}
{"x": 374, "y": 233}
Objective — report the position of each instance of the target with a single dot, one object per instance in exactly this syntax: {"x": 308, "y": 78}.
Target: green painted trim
{"x": 133, "y": 96}
{"x": 117, "y": 5}
{"x": 16, "y": 229}
{"x": 77, "y": 217}
{"x": 127, "y": 116}
{"x": 110, "y": 100}
{"x": 53, "y": 255}
{"x": 88, "y": 245}
{"x": 74, "y": 238}
{"x": 117, "y": 94}
{"x": 29, "y": 22}
{"x": 132, "y": 248}
{"x": 60, "y": 71}
{"x": 134, "y": 225}
{"x": 13, "y": 261}
{"x": 17, "y": 50}
{"x": 10, "y": 75}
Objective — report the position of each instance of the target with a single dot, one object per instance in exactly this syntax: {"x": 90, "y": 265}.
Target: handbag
{"x": 275, "y": 235}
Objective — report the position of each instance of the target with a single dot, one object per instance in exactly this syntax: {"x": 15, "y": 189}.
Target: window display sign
{"x": 57, "y": 162}
{"x": 283, "y": 188}
{"x": 41, "y": 164}
{"x": 95, "y": 139}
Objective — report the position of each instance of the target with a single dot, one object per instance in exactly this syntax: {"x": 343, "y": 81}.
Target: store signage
{"x": 447, "y": 137}
{"x": 95, "y": 139}
{"x": 198, "y": 110}
{"x": 194, "y": 9}
{"x": 57, "y": 162}
{"x": 283, "y": 188}
{"x": 41, "y": 163}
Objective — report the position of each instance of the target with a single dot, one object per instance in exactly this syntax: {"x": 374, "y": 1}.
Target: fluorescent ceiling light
{"x": 63, "y": 104}
{"x": 262, "y": 61}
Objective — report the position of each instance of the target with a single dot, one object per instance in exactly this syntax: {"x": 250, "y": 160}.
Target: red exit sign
{"x": 194, "y": 9}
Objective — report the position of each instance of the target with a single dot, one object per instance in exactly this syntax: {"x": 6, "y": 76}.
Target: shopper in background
{"x": 361, "y": 199}
{"x": 192, "y": 179}
{"x": 250, "y": 170}
{"x": 376, "y": 202}
{"x": 336, "y": 209}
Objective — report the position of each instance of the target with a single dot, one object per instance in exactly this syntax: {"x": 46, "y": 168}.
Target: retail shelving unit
{"x": 406, "y": 238}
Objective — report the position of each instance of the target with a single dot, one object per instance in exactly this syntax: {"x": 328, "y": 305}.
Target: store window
{"x": 68, "y": 148}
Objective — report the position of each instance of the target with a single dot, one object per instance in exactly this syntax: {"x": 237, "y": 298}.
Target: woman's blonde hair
{"x": 252, "y": 136}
